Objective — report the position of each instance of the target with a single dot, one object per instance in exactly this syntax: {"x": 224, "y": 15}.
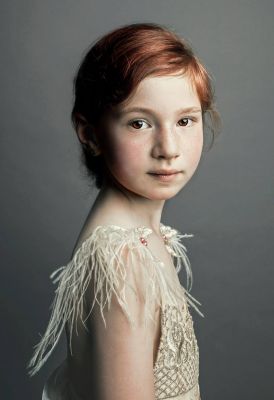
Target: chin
{"x": 161, "y": 194}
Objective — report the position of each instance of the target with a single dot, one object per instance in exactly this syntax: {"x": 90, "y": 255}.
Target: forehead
{"x": 164, "y": 92}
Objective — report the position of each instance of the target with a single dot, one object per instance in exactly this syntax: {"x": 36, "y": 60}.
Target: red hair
{"x": 114, "y": 66}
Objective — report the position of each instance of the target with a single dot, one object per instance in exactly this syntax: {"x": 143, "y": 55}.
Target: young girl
{"x": 141, "y": 102}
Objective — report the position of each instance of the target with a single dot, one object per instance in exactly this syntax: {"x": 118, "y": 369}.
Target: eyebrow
{"x": 192, "y": 109}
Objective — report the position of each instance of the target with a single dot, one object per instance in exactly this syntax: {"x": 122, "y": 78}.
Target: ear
{"x": 87, "y": 134}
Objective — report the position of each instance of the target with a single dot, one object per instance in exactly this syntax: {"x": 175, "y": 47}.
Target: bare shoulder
{"x": 105, "y": 219}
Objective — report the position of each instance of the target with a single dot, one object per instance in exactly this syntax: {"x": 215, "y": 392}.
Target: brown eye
{"x": 137, "y": 124}
{"x": 185, "y": 121}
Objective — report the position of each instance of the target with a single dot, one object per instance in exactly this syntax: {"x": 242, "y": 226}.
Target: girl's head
{"x": 142, "y": 65}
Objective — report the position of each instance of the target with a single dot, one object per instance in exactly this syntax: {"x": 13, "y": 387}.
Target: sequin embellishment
{"x": 176, "y": 369}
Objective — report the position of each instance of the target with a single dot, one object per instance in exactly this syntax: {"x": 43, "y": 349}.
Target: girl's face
{"x": 158, "y": 128}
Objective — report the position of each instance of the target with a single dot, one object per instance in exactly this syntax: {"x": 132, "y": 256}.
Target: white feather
{"x": 101, "y": 259}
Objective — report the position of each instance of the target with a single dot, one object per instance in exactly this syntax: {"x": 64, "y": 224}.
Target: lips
{"x": 165, "y": 172}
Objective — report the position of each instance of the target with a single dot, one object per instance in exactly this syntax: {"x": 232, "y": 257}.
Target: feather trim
{"x": 177, "y": 249}
{"x": 101, "y": 257}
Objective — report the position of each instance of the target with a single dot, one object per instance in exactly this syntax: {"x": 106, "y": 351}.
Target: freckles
{"x": 193, "y": 149}
{"x": 196, "y": 152}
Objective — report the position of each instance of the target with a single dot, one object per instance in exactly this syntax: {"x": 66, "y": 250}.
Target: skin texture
{"x": 137, "y": 143}
{"x": 155, "y": 141}
{"x": 119, "y": 362}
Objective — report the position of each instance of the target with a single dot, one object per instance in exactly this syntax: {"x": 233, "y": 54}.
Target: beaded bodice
{"x": 176, "y": 369}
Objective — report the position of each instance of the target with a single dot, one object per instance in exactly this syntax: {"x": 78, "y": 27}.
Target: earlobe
{"x": 93, "y": 150}
{"x": 91, "y": 140}
{"x": 87, "y": 136}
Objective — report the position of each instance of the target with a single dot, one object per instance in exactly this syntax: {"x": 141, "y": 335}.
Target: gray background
{"x": 228, "y": 204}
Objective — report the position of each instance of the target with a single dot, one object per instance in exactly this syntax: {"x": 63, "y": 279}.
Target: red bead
{"x": 143, "y": 240}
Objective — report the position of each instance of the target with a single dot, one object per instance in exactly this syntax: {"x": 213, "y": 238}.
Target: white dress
{"x": 100, "y": 259}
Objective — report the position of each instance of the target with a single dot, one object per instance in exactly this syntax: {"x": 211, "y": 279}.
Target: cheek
{"x": 194, "y": 149}
{"x": 126, "y": 157}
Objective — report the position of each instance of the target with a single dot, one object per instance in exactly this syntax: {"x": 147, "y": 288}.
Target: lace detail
{"x": 176, "y": 369}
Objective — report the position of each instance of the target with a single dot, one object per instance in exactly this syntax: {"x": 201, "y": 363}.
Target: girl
{"x": 142, "y": 99}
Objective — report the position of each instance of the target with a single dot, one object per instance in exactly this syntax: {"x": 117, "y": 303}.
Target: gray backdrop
{"x": 228, "y": 204}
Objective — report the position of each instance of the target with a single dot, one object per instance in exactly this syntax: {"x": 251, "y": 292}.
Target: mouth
{"x": 164, "y": 177}
{"x": 165, "y": 172}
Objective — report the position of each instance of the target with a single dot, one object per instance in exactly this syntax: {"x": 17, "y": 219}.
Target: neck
{"x": 127, "y": 208}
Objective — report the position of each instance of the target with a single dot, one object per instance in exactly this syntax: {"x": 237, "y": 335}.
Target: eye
{"x": 186, "y": 120}
{"x": 136, "y": 123}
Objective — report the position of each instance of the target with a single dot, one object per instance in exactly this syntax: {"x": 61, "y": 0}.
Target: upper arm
{"x": 123, "y": 340}
{"x": 122, "y": 357}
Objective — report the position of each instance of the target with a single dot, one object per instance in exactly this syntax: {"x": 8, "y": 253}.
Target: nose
{"x": 165, "y": 143}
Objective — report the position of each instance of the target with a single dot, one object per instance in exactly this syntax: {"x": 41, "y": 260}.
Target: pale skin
{"x": 168, "y": 136}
